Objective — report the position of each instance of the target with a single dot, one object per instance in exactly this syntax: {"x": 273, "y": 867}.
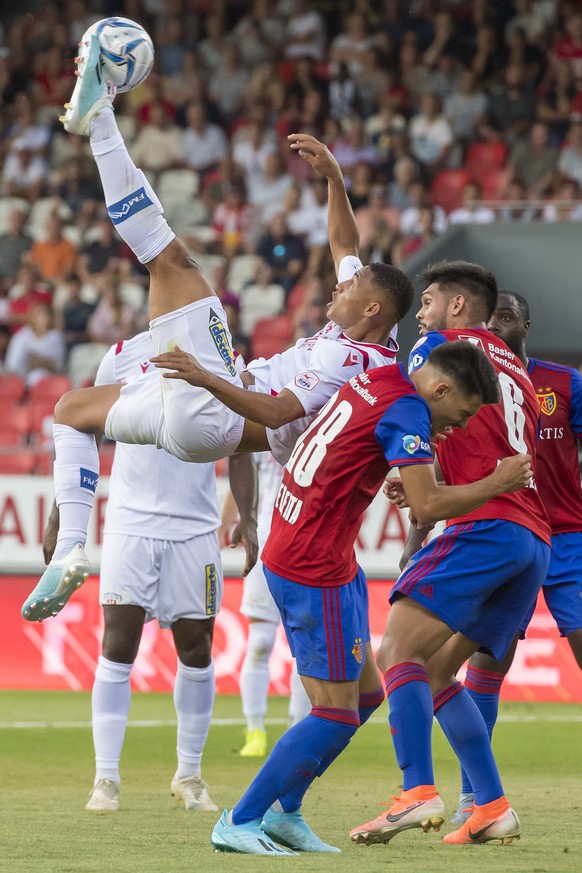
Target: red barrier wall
{"x": 62, "y": 652}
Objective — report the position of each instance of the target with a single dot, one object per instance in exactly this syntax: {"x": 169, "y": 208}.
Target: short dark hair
{"x": 471, "y": 279}
{"x": 396, "y": 285}
{"x": 522, "y": 303}
{"x": 469, "y": 367}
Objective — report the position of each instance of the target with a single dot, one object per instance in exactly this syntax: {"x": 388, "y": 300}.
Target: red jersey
{"x": 374, "y": 422}
{"x": 559, "y": 393}
{"x": 505, "y": 428}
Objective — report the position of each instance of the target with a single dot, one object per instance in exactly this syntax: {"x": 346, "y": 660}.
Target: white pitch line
{"x": 239, "y": 722}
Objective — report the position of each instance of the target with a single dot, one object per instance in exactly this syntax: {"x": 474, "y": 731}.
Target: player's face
{"x": 350, "y": 298}
{"x": 433, "y": 311}
{"x": 508, "y": 324}
{"x": 452, "y": 409}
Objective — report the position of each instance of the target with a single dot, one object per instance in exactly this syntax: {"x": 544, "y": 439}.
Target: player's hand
{"x": 184, "y": 366}
{"x": 316, "y": 154}
{"x": 49, "y": 537}
{"x": 513, "y": 473}
{"x": 440, "y": 437}
{"x": 247, "y": 535}
{"x": 393, "y": 489}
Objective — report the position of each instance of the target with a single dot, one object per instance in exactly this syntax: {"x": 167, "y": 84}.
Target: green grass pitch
{"x": 46, "y": 767}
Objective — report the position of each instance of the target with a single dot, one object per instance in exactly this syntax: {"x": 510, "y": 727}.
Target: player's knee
{"x": 119, "y": 648}
{"x": 193, "y": 641}
{"x": 67, "y": 409}
{"x": 261, "y": 641}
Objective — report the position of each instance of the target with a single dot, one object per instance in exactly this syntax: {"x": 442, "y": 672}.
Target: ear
{"x": 440, "y": 390}
{"x": 457, "y": 303}
{"x": 373, "y": 308}
{"x": 527, "y": 326}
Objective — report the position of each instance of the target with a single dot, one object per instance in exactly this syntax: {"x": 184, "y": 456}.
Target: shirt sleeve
{"x": 332, "y": 365}
{"x": 576, "y": 404}
{"x": 404, "y": 432}
{"x": 106, "y": 372}
{"x": 423, "y": 348}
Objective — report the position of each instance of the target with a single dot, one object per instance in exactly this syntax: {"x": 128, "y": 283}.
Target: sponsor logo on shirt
{"x": 358, "y": 650}
{"x": 124, "y": 209}
{"x": 307, "y": 381}
{"x": 111, "y": 598}
{"x": 363, "y": 392}
{"x": 88, "y": 479}
{"x": 218, "y": 332}
{"x": 144, "y": 366}
{"x": 211, "y": 584}
{"x": 413, "y": 443}
{"x": 547, "y": 400}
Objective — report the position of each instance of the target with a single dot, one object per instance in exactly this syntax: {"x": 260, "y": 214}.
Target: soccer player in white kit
{"x": 194, "y": 424}
{"x": 160, "y": 559}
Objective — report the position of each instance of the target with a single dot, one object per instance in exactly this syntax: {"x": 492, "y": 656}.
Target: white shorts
{"x": 189, "y": 423}
{"x": 257, "y": 601}
{"x": 170, "y": 580}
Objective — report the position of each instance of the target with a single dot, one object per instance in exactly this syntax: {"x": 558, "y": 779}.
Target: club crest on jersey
{"x": 358, "y": 650}
{"x": 211, "y": 585}
{"x": 411, "y": 443}
{"x": 474, "y": 340}
{"x": 547, "y": 400}
{"x": 307, "y": 381}
{"x": 351, "y": 359}
{"x": 219, "y": 335}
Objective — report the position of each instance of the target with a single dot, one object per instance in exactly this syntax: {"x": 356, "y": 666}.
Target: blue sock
{"x": 484, "y": 687}
{"x": 465, "y": 730}
{"x": 411, "y": 715}
{"x": 297, "y": 757}
{"x": 292, "y": 801}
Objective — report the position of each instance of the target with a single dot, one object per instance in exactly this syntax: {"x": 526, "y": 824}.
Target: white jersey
{"x": 151, "y": 493}
{"x": 314, "y": 369}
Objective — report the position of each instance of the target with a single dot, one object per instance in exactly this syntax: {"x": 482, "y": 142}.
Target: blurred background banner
{"x": 62, "y": 653}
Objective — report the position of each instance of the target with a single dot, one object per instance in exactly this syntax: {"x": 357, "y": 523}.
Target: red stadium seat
{"x": 17, "y": 463}
{"x": 15, "y": 427}
{"x": 44, "y": 462}
{"x": 12, "y": 387}
{"x": 40, "y": 410}
{"x": 493, "y": 184}
{"x": 271, "y": 335}
{"x": 484, "y": 156}
{"x": 447, "y": 188}
{"x": 51, "y": 388}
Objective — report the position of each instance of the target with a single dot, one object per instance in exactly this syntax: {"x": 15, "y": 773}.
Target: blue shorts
{"x": 563, "y": 586}
{"x": 480, "y": 578}
{"x": 327, "y": 628}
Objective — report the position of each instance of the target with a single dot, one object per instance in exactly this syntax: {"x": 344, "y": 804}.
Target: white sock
{"x": 194, "y": 691}
{"x": 76, "y": 473}
{"x": 299, "y": 703}
{"x": 132, "y": 205}
{"x": 110, "y": 708}
{"x": 254, "y": 674}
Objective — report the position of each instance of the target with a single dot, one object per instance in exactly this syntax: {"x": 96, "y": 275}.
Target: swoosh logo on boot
{"x": 400, "y": 815}
{"x": 478, "y": 834}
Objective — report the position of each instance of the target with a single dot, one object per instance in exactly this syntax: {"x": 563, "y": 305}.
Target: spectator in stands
{"x": 75, "y": 314}
{"x": 228, "y": 84}
{"x": 528, "y": 18}
{"x": 254, "y": 39}
{"x": 465, "y": 108}
{"x": 517, "y": 208}
{"x": 512, "y": 107}
{"x": 204, "y": 145}
{"x": 378, "y": 226}
{"x": 431, "y": 137}
{"x": 78, "y": 189}
{"x": 446, "y": 78}
{"x": 27, "y": 290}
{"x": 311, "y": 316}
{"x": 159, "y": 144}
{"x": 534, "y": 160}
{"x": 262, "y": 297}
{"x": 38, "y": 349}
{"x": 211, "y": 48}
{"x": 406, "y": 172}
{"x": 486, "y": 59}
{"x": 251, "y": 146}
{"x": 55, "y": 255}
{"x": 361, "y": 184}
{"x": 352, "y": 148}
{"x": 267, "y": 194}
{"x": 342, "y": 93}
{"x": 113, "y": 319}
{"x": 472, "y": 212}
{"x": 570, "y": 160}
{"x": 352, "y": 46}
{"x": 305, "y": 32}
{"x": 26, "y": 128}
{"x": 283, "y": 251}
{"x": 309, "y": 220}
{"x": 233, "y": 222}
{"x": 102, "y": 254}
{"x": 410, "y": 224}
{"x": 171, "y": 44}
{"x": 565, "y": 205}
{"x": 423, "y": 234}
{"x": 14, "y": 244}
{"x": 569, "y": 47}
{"x": 556, "y": 100}
{"x": 383, "y": 125}
{"x": 52, "y": 79}
{"x": 24, "y": 173}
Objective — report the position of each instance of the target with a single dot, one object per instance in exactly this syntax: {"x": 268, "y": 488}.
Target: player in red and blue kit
{"x": 559, "y": 393}
{"x": 468, "y": 588}
{"x": 378, "y": 420}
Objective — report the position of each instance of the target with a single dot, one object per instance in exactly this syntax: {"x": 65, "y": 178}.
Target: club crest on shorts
{"x": 219, "y": 334}
{"x": 358, "y": 650}
{"x": 111, "y": 598}
{"x": 211, "y": 585}
{"x": 547, "y": 400}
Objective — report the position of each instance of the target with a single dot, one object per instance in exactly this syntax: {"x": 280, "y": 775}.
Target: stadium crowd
{"x": 438, "y": 113}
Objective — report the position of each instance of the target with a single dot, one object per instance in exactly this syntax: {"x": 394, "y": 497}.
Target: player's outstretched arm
{"x": 244, "y": 485}
{"x": 343, "y": 233}
{"x": 271, "y": 412}
{"x": 430, "y": 502}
